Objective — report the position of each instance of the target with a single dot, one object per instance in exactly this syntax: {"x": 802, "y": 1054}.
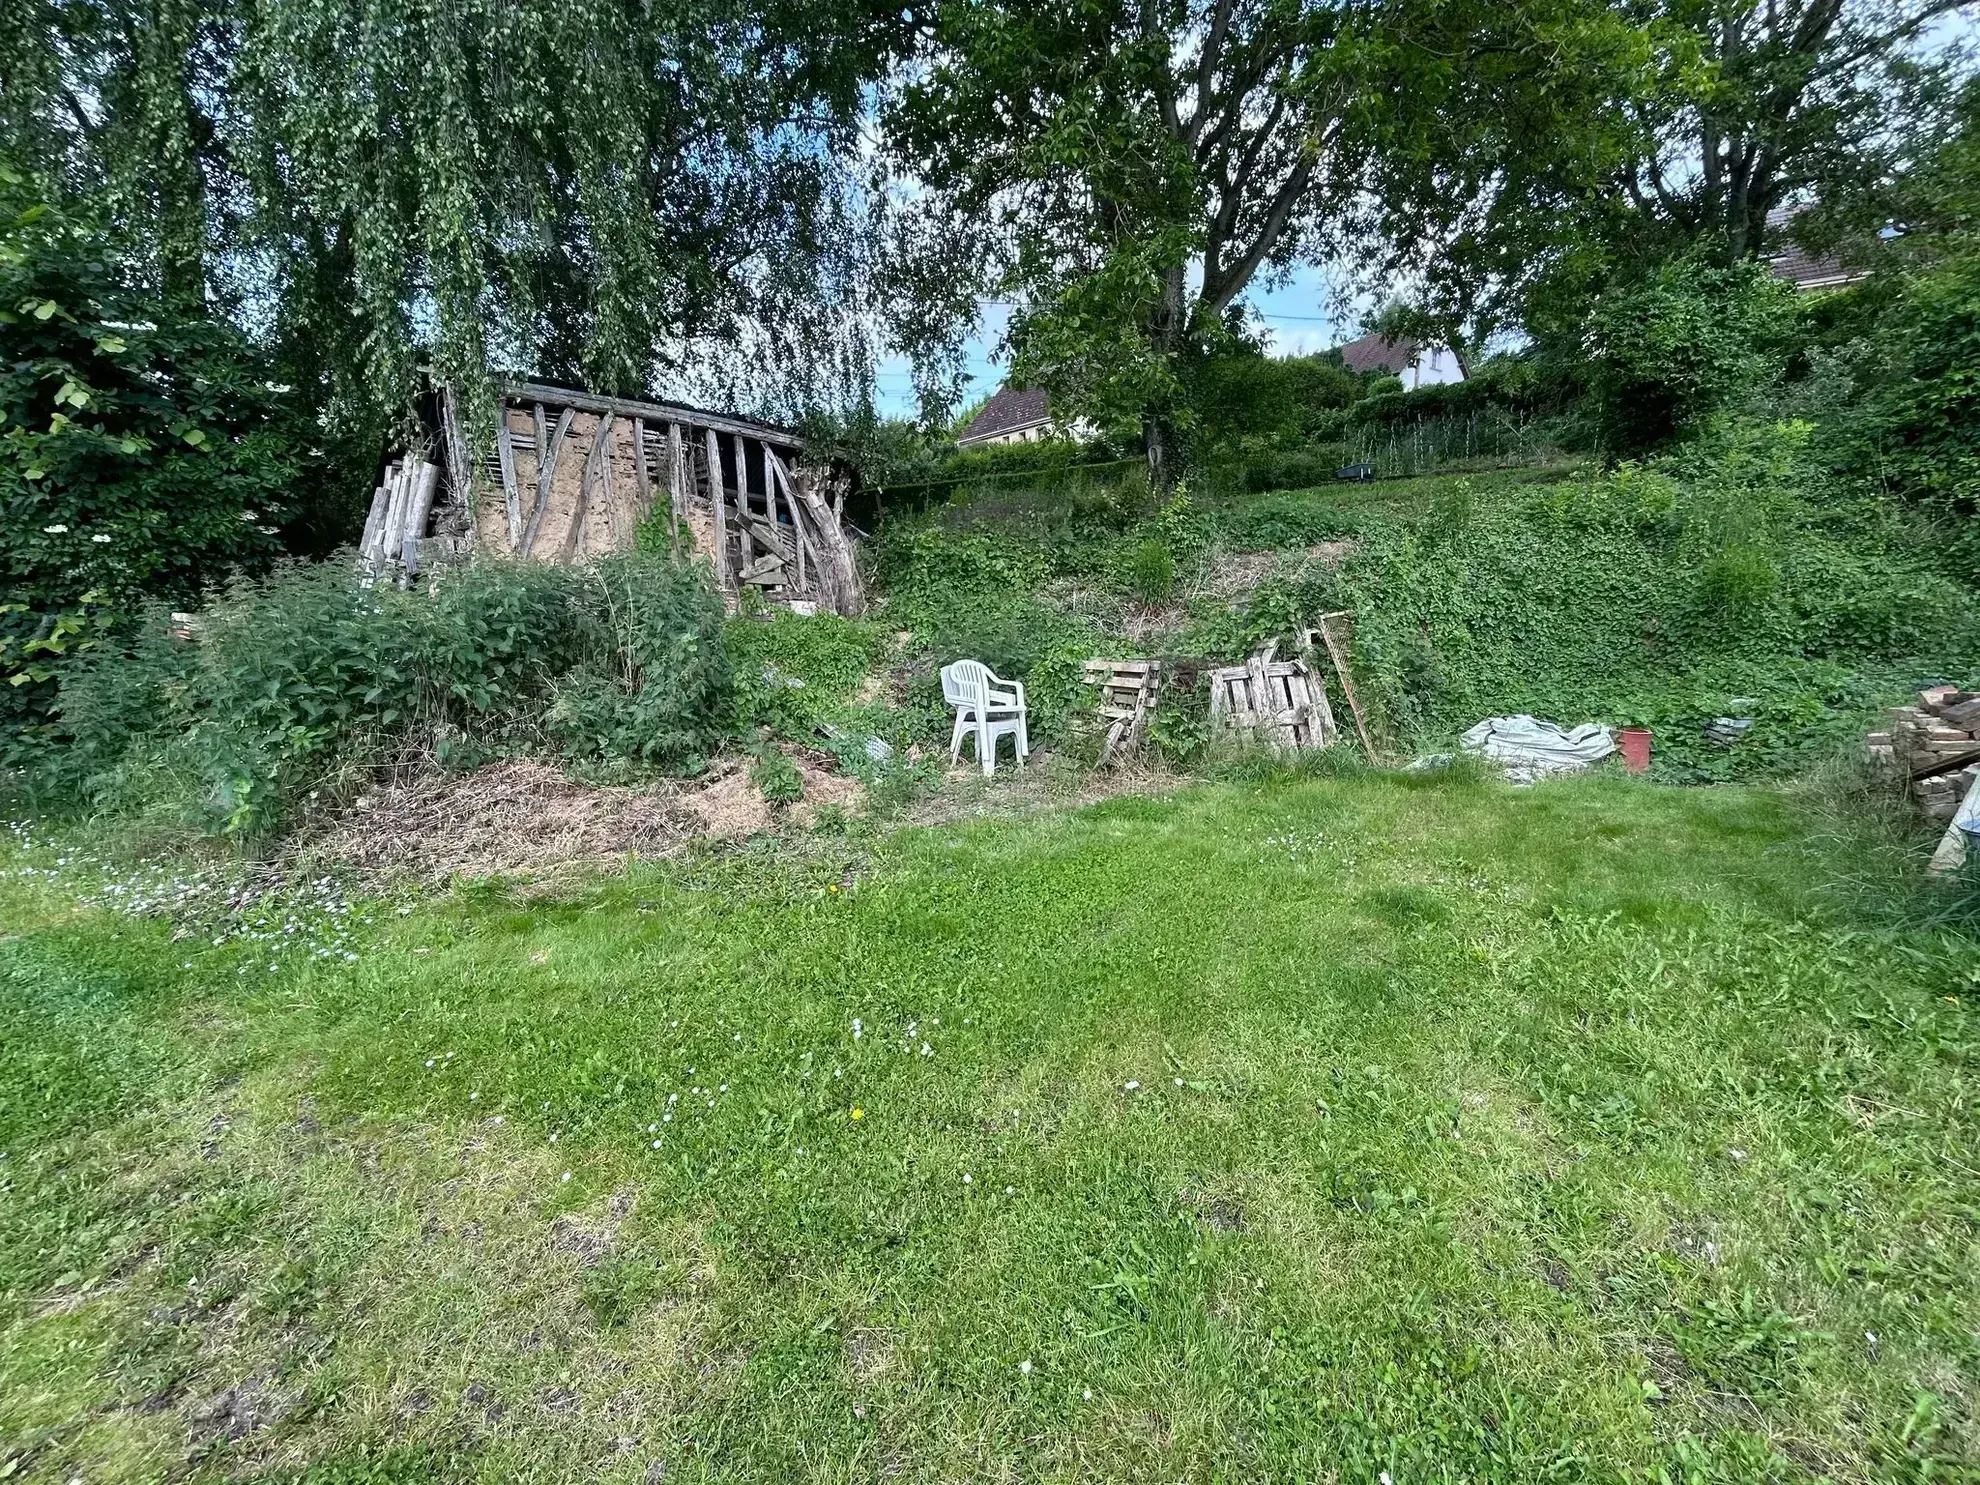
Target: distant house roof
{"x": 1379, "y": 353}
{"x": 1009, "y": 411}
{"x": 1805, "y": 270}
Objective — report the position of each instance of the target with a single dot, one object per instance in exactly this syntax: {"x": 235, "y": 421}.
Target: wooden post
{"x": 721, "y": 523}
{"x": 1338, "y": 655}
{"x": 747, "y": 538}
{"x": 640, "y": 471}
{"x": 675, "y": 489}
{"x": 460, "y": 474}
{"x": 505, "y": 451}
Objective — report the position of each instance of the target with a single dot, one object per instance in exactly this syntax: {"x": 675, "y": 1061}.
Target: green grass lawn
{"x": 1344, "y": 1129}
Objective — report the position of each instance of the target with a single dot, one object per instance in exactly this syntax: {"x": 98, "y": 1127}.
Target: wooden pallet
{"x": 1281, "y": 704}
{"x": 1127, "y": 697}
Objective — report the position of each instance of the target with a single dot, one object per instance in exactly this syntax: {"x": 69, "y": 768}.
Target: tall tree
{"x": 1762, "y": 104}
{"x": 1126, "y": 169}
{"x": 580, "y": 188}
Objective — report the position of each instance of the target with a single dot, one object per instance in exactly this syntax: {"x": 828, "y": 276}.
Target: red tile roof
{"x": 1007, "y": 412}
{"x": 1378, "y": 353}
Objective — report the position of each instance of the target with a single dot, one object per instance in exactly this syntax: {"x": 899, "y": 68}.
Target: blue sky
{"x": 1296, "y": 317}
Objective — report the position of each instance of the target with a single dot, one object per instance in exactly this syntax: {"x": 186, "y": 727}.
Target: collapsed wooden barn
{"x": 571, "y": 476}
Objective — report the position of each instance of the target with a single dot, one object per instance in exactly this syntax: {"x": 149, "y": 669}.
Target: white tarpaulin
{"x": 1962, "y": 837}
{"x": 1531, "y": 749}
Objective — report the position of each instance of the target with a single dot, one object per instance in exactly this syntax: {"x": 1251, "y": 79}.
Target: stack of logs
{"x": 397, "y": 519}
{"x": 1935, "y": 747}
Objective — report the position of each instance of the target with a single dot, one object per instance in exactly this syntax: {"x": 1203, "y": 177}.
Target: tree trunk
{"x": 1166, "y": 331}
{"x": 1158, "y": 431}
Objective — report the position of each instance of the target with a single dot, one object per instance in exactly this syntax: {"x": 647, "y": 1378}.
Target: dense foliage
{"x": 306, "y": 679}
{"x": 1665, "y": 353}
{"x": 1082, "y": 160}
{"x": 143, "y": 450}
{"x": 578, "y": 189}
{"x": 1909, "y": 422}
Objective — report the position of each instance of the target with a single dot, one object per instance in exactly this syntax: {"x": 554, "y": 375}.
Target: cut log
{"x": 374, "y": 525}
{"x": 420, "y": 509}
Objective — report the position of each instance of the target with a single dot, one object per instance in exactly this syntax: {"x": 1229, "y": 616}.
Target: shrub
{"x": 776, "y": 778}
{"x": 146, "y": 451}
{"x": 1915, "y": 425}
{"x": 1152, "y": 571}
{"x": 1273, "y": 399}
{"x": 657, "y": 687}
{"x": 1666, "y": 353}
{"x": 826, "y": 655}
{"x": 1654, "y": 594}
{"x": 291, "y": 678}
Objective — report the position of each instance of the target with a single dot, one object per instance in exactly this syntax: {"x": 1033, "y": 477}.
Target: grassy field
{"x": 1346, "y": 1129}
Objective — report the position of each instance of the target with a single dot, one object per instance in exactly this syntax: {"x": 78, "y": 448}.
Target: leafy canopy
{"x": 143, "y": 449}
{"x": 1128, "y": 170}
{"x": 580, "y": 189}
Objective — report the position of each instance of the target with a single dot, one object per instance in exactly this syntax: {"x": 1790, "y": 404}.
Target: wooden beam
{"x": 511, "y": 496}
{"x": 1338, "y": 655}
{"x": 715, "y": 494}
{"x": 632, "y": 407}
{"x": 600, "y": 438}
{"x": 546, "y": 468}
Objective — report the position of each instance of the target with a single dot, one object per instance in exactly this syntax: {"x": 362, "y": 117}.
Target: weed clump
{"x": 295, "y": 682}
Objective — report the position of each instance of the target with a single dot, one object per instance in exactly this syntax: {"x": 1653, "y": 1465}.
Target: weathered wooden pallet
{"x": 1128, "y": 690}
{"x": 1279, "y": 704}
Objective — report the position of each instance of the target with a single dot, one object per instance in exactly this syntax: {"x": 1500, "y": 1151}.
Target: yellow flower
{"x": 859, "y": 1113}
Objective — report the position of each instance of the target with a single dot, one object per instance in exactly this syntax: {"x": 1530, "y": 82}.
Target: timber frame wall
{"x": 572, "y": 475}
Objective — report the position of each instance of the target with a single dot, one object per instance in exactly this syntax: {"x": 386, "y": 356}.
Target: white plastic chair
{"x": 986, "y": 707}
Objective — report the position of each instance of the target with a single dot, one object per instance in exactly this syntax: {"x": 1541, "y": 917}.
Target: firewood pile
{"x": 1934, "y": 746}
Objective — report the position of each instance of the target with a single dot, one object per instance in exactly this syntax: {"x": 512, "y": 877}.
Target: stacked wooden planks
{"x": 1934, "y": 746}
{"x": 1127, "y": 696}
{"x": 396, "y": 523}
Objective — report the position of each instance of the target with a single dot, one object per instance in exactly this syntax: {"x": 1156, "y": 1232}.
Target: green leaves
{"x": 121, "y": 473}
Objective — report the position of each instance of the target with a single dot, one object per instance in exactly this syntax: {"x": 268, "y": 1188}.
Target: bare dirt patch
{"x": 732, "y": 806}
{"x": 518, "y": 816}
{"x": 526, "y": 818}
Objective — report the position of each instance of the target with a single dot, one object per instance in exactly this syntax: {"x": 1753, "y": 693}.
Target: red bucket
{"x": 1635, "y": 743}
